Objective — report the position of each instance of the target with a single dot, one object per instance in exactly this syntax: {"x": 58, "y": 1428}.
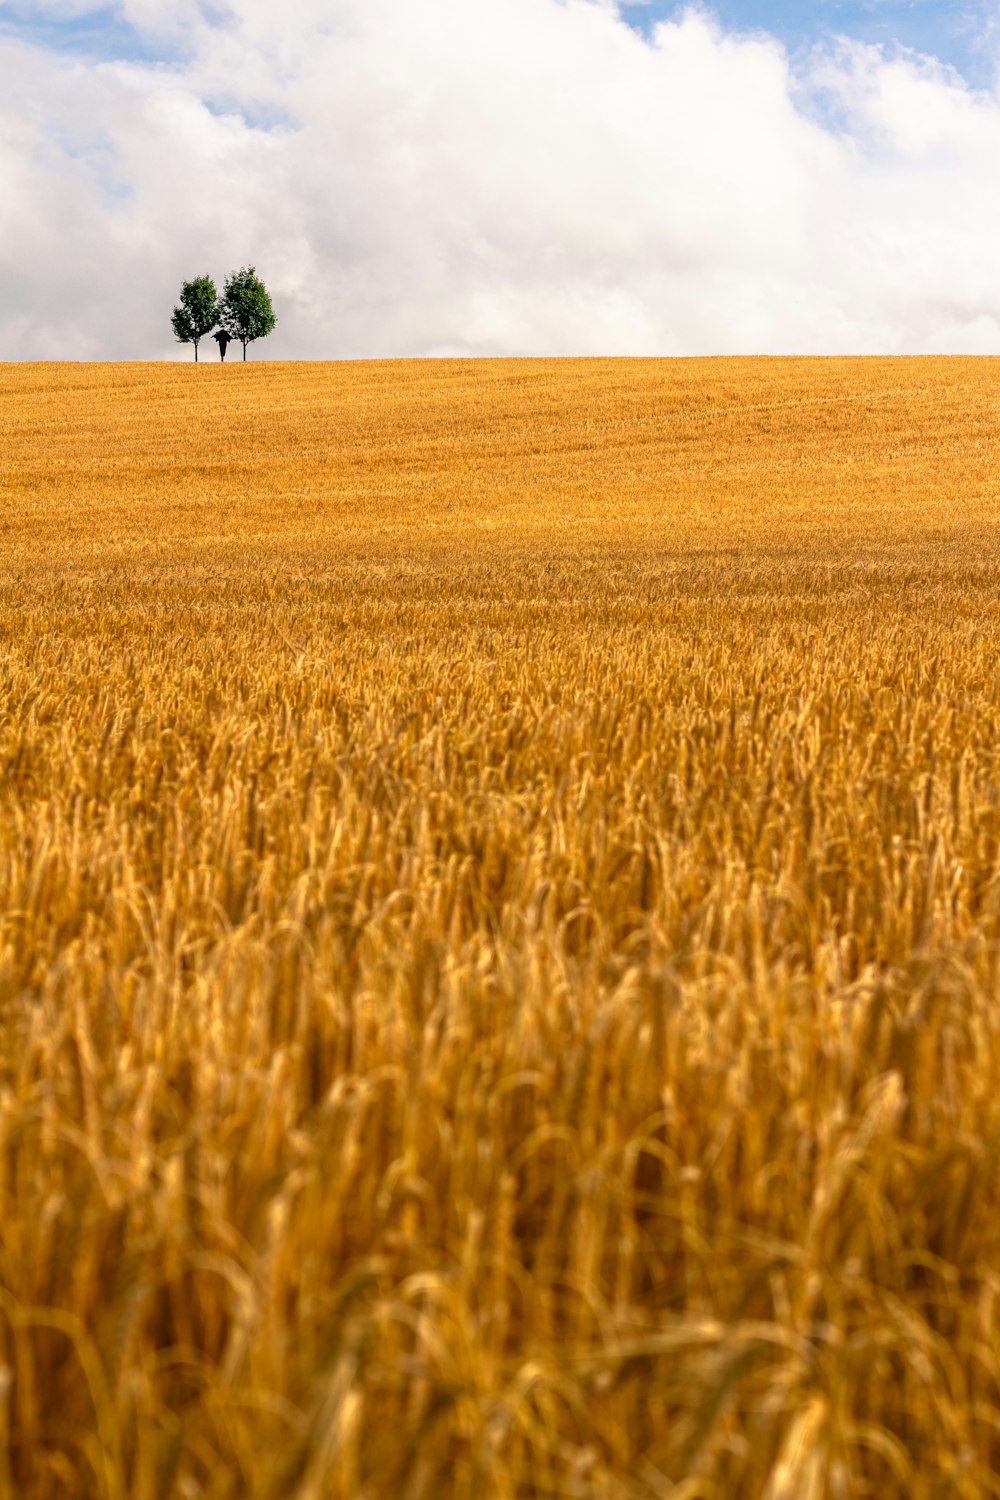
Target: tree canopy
{"x": 197, "y": 312}
{"x": 245, "y": 311}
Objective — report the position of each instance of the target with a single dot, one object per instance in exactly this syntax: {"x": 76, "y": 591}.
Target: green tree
{"x": 198, "y": 312}
{"x": 245, "y": 311}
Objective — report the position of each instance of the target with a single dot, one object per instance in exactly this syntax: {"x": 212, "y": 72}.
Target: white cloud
{"x": 494, "y": 176}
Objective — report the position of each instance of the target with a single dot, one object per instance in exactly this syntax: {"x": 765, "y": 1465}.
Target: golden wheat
{"x": 500, "y": 930}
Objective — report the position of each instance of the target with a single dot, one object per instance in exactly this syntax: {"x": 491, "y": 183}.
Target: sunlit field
{"x": 500, "y": 930}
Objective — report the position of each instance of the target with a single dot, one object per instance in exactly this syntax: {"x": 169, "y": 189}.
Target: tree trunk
{"x": 244, "y": 353}
{"x": 196, "y": 351}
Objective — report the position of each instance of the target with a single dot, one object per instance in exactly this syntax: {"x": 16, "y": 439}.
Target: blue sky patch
{"x": 100, "y": 34}
{"x": 959, "y": 34}
{"x": 255, "y": 116}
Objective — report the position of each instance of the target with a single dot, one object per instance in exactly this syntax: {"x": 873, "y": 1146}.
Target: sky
{"x": 503, "y": 177}
{"x": 957, "y": 34}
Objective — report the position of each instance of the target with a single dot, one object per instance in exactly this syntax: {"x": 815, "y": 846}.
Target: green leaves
{"x": 197, "y": 313}
{"x": 245, "y": 311}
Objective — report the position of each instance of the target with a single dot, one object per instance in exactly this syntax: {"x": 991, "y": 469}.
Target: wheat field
{"x": 500, "y": 930}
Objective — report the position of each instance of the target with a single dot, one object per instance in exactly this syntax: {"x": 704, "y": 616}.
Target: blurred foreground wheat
{"x": 500, "y": 931}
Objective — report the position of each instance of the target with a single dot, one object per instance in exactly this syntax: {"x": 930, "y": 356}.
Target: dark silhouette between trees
{"x": 197, "y": 313}
{"x": 245, "y": 312}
